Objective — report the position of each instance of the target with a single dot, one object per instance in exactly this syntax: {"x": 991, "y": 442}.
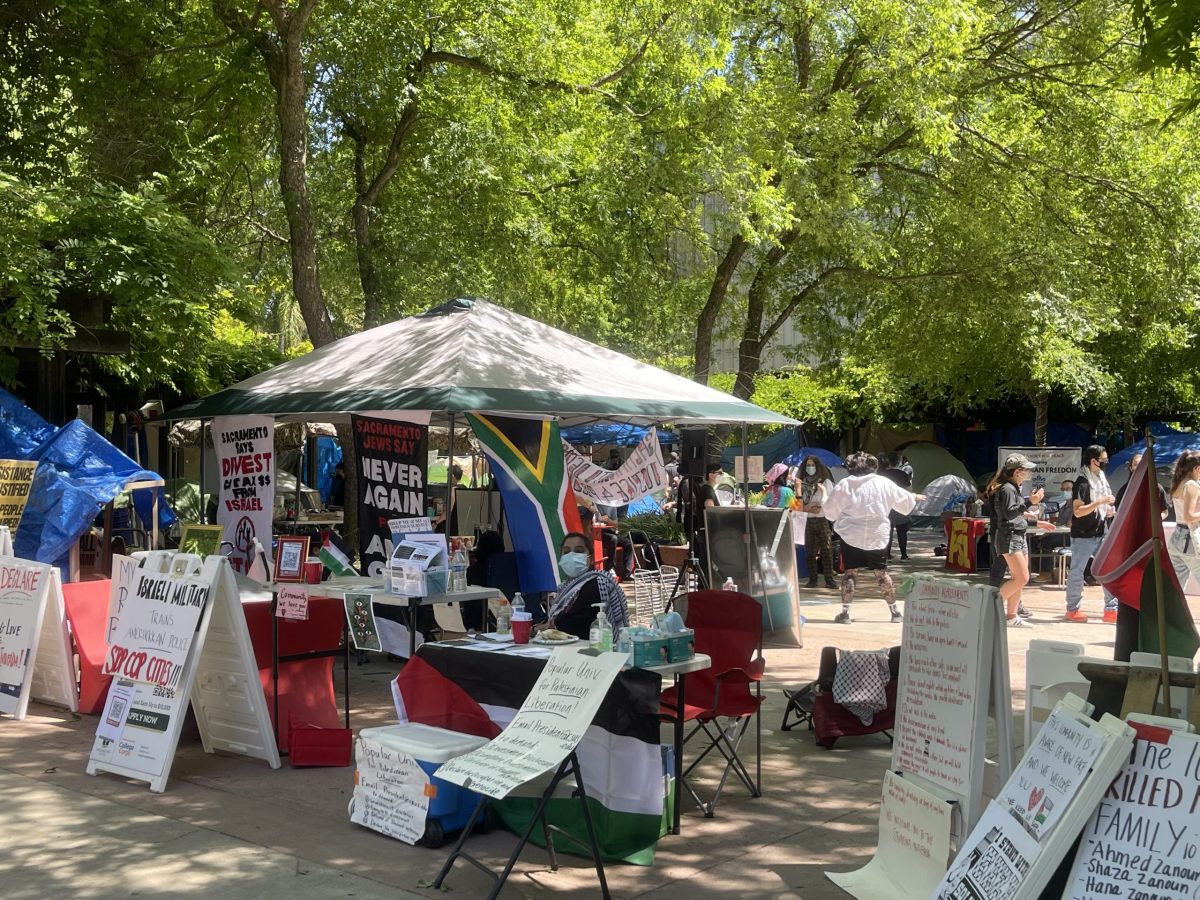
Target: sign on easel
{"x": 6, "y": 545}
{"x": 546, "y": 729}
{"x": 181, "y": 636}
{"x": 54, "y": 678}
{"x": 953, "y": 673}
{"x": 35, "y": 649}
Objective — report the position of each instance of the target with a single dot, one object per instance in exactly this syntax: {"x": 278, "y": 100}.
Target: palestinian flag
{"x": 526, "y": 456}
{"x": 333, "y": 554}
{"x": 479, "y": 692}
{"x": 1125, "y": 565}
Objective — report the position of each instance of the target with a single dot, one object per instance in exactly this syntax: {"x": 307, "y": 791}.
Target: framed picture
{"x": 290, "y": 553}
{"x": 203, "y": 540}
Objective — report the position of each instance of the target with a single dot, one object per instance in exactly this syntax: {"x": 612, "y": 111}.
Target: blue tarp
{"x": 772, "y": 450}
{"x": 828, "y": 457}
{"x": 329, "y": 454}
{"x": 978, "y": 449}
{"x": 1167, "y": 449}
{"x": 621, "y": 435}
{"x": 78, "y": 472}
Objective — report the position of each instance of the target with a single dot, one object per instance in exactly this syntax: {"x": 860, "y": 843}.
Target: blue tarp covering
{"x": 772, "y": 449}
{"x": 621, "y": 435}
{"x": 828, "y": 457}
{"x": 329, "y": 454}
{"x": 1167, "y": 449}
{"x": 979, "y": 448}
{"x": 78, "y": 472}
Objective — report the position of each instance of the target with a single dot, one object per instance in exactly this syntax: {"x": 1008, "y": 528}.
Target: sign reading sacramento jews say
{"x": 246, "y": 453}
{"x": 546, "y": 729}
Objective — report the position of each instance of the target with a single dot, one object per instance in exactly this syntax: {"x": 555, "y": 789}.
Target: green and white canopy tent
{"x": 470, "y": 355}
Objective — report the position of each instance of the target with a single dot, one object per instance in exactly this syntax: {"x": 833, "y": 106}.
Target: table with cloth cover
{"x": 620, "y": 756}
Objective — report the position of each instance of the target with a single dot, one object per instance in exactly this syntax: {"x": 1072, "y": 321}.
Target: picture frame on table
{"x": 202, "y": 540}
{"x": 291, "y": 551}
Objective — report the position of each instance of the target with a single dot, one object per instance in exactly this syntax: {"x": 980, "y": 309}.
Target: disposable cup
{"x": 313, "y": 569}
{"x": 522, "y": 625}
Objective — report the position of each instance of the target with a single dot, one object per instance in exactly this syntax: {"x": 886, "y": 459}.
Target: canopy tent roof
{"x": 467, "y": 355}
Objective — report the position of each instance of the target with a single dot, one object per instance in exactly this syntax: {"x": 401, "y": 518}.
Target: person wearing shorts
{"x": 859, "y": 507}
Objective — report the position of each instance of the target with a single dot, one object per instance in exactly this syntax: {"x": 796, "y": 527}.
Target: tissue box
{"x": 681, "y": 646}
{"x": 655, "y": 651}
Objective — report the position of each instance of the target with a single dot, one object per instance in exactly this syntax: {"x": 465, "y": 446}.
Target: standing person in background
{"x": 1185, "y": 496}
{"x": 778, "y": 495}
{"x": 444, "y": 524}
{"x": 337, "y": 488}
{"x": 894, "y": 472}
{"x": 1164, "y": 499}
{"x": 1092, "y": 507}
{"x": 858, "y": 506}
{"x": 906, "y": 467}
{"x": 814, "y": 487}
{"x": 1011, "y": 518}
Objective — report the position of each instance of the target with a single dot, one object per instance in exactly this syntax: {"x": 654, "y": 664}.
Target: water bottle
{"x": 518, "y": 603}
{"x": 729, "y": 585}
{"x": 458, "y": 570}
{"x": 504, "y": 618}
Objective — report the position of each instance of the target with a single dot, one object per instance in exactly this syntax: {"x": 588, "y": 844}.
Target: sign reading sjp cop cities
{"x": 16, "y": 479}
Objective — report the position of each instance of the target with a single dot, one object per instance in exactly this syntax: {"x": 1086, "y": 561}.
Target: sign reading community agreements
{"x": 16, "y": 479}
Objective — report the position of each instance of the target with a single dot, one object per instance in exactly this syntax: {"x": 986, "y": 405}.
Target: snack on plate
{"x": 553, "y": 634}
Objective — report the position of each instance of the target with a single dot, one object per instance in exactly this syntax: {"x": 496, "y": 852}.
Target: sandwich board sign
{"x": 181, "y": 636}
{"x": 35, "y": 658}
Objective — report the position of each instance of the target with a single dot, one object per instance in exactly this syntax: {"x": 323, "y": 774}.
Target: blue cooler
{"x": 450, "y": 806}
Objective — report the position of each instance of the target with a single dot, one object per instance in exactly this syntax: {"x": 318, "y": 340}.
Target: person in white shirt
{"x": 858, "y": 507}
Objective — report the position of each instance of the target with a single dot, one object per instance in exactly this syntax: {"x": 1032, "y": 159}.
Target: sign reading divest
{"x": 22, "y": 605}
{"x": 392, "y": 461}
{"x": 154, "y": 632}
{"x": 246, "y": 453}
{"x": 16, "y": 479}
{"x": 546, "y": 729}
{"x": 936, "y": 698}
{"x": 641, "y": 474}
{"x": 1144, "y": 838}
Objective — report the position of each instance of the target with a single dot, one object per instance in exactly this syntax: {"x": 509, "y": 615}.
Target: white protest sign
{"x": 1143, "y": 840}
{"x": 246, "y": 454}
{"x": 292, "y": 603}
{"x": 641, "y": 474}
{"x": 914, "y": 845}
{"x": 748, "y": 469}
{"x": 124, "y": 572}
{"x": 1052, "y": 771}
{"x": 411, "y": 525}
{"x": 390, "y": 792}
{"x": 546, "y": 729}
{"x": 116, "y": 710}
{"x": 23, "y": 591}
{"x": 993, "y": 862}
{"x": 936, "y": 703}
{"x": 1054, "y": 464}
{"x": 154, "y": 632}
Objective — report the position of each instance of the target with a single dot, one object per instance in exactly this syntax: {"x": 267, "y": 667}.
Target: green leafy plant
{"x": 656, "y": 526}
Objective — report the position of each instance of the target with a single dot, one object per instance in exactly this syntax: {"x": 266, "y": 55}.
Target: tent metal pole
{"x": 203, "y": 505}
{"x": 300, "y": 469}
{"x": 449, "y": 479}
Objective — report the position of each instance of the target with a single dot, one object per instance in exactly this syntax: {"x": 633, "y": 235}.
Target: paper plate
{"x": 538, "y": 639}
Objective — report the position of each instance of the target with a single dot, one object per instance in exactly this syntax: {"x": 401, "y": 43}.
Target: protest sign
{"x": 1051, "y": 771}
{"x": 391, "y": 792}
{"x": 361, "y": 616}
{"x": 154, "y": 631}
{"x": 1143, "y": 840}
{"x": 1054, "y": 464}
{"x": 546, "y": 729}
{"x": 246, "y": 502}
{"x": 993, "y": 862}
{"x": 292, "y": 603}
{"x": 124, "y": 573}
{"x": 23, "y": 591}
{"x": 392, "y": 470}
{"x": 641, "y": 474}
{"x": 914, "y": 845}
{"x": 16, "y": 479}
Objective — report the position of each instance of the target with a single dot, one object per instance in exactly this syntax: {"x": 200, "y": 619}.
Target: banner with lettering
{"x": 16, "y": 478}
{"x": 392, "y": 467}
{"x": 155, "y": 629}
{"x": 640, "y": 475}
{"x": 23, "y": 588}
{"x": 1054, "y": 465}
{"x": 246, "y": 456}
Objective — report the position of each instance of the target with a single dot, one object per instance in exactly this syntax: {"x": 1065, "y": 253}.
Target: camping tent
{"x": 471, "y": 355}
{"x": 930, "y": 461}
{"x": 1167, "y": 449}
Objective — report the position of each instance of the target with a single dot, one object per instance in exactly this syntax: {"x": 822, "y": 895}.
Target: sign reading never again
{"x": 392, "y": 463}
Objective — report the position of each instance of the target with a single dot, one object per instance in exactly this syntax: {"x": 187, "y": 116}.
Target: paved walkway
{"x": 230, "y": 827}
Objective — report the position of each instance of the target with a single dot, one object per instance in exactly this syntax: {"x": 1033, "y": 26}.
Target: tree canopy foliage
{"x": 953, "y": 204}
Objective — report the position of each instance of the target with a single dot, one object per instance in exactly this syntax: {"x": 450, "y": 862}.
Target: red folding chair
{"x": 728, "y": 628}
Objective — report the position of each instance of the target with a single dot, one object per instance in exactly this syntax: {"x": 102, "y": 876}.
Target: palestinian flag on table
{"x": 478, "y": 692}
{"x": 526, "y": 456}
{"x": 1125, "y": 565}
{"x": 333, "y": 554}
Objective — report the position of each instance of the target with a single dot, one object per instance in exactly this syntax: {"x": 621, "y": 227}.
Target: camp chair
{"x": 814, "y": 705}
{"x": 728, "y": 628}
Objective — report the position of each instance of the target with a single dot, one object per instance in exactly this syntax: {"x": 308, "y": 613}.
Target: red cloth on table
{"x": 87, "y": 614}
{"x": 428, "y": 697}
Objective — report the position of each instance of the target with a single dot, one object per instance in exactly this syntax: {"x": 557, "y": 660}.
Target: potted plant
{"x": 661, "y": 529}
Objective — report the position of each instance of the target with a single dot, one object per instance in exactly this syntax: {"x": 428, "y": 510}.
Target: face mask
{"x": 810, "y": 470}
{"x": 573, "y": 564}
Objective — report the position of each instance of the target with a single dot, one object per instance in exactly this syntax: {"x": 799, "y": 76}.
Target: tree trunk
{"x": 707, "y": 321}
{"x": 751, "y": 347}
{"x": 368, "y": 275}
{"x": 1041, "y": 416}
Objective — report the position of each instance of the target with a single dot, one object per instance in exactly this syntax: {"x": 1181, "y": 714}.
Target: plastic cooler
{"x": 450, "y": 806}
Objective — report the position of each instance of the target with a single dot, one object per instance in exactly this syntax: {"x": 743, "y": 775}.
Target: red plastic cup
{"x": 313, "y": 569}
{"x": 521, "y": 628}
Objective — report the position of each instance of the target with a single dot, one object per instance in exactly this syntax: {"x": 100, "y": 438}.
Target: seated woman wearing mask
{"x": 573, "y": 609}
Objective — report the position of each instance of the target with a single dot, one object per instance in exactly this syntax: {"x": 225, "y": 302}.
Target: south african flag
{"x": 539, "y": 506}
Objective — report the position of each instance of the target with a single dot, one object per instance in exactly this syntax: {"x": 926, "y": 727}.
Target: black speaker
{"x": 694, "y": 443}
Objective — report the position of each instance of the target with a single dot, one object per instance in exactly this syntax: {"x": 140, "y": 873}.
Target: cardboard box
{"x": 682, "y": 646}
